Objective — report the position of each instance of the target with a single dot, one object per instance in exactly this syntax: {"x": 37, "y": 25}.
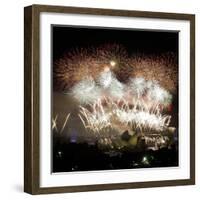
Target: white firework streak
{"x": 65, "y": 122}
{"x": 86, "y": 91}
{"x": 54, "y": 123}
{"x": 113, "y": 114}
{"x": 97, "y": 119}
{"x": 143, "y": 120}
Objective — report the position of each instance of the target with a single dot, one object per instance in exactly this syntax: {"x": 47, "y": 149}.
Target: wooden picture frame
{"x": 32, "y": 106}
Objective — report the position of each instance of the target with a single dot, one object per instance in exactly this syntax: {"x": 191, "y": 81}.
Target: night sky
{"x": 143, "y": 41}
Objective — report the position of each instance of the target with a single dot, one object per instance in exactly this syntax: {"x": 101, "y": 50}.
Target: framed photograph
{"x": 109, "y": 99}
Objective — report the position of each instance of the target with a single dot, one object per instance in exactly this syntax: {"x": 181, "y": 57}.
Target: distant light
{"x": 60, "y": 154}
{"x": 144, "y": 159}
{"x": 112, "y": 63}
{"x": 162, "y": 141}
{"x": 73, "y": 138}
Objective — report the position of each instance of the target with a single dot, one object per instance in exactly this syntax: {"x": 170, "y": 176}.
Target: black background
{"x": 139, "y": 41}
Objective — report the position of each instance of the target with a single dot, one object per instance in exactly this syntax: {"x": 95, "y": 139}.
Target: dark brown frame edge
{"x": 31, "y": 98}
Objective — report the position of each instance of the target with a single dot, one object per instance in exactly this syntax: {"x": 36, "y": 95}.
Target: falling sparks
{"x": 143, "y": 120}
{"x": 99, "y": 117}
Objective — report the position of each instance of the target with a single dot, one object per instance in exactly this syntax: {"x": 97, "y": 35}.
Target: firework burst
{"x": 121, "y": 117}
{"x": 86, "y": 91}
{"x": 80, "y": 63}
{"x": 162, "y": 68}
{"x": 117, "y": 91}
{"x": 149, "y": 90}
